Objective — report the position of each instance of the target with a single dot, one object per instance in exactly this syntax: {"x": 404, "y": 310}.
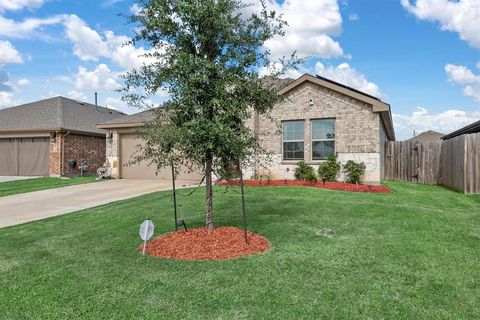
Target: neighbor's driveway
{"x": 25, "y": 207}
{"x": 14, "y": 178}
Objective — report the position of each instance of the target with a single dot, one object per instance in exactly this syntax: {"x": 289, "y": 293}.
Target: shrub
{"x": 304, "y": 172}
{"x": 354, "y": 171}
{"x": 329, "y": 169}
{"x": 310, "y": 176}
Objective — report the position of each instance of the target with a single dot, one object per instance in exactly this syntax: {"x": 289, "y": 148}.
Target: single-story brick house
{"x": 40, "y": 138}
{"x": 318, "y": 116}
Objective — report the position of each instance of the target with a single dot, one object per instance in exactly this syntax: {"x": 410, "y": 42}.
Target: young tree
{"x": 207, "y": 54}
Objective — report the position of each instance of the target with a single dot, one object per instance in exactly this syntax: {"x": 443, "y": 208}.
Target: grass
{"x": 411, "y": 254}
{"x": 35, "y": 184}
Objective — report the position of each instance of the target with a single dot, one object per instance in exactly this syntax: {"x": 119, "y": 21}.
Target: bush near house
{"x": 305, "y": 172}
{"x": 329, "y": 169}
{"x": 354, "y": 171}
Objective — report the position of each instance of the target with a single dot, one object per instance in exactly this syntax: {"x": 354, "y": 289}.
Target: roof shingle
{"x": 57, "y": 113}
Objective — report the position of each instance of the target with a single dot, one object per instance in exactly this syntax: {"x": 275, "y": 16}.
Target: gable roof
{"x": 426, "y": 136}
{"x": 284, "y": 86}
{"x": 129, "y": 121}
{"x": 56, "y": 114}
{"x": 472, "y": 128}
{"x": 377, "y": 104}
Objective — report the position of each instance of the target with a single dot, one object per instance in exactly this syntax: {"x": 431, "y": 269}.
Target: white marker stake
{"x": 146, "y": 232}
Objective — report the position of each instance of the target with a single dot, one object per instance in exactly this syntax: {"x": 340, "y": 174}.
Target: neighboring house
{"x": 428, "y": 136}
{"x": 317, "y": 117}
{"x": 40, "y": 138}
{"x": 472, "y": 128}
{"x": 122, "y": 146}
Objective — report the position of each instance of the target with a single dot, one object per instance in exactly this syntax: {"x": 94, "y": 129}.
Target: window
{"x": 323, "y": 138}
{"x": 293, "y": 140}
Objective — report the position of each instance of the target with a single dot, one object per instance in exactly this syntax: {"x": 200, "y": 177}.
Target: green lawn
{"x": 411, "y": 254}
{"x": 35, "y": 184}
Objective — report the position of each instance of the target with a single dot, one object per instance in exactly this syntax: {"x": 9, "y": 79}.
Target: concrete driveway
{"x": 14, "y": 178}
{"x": 21, "y": 208}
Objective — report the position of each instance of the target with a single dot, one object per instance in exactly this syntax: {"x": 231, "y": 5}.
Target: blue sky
{"x": 420, "y": 56}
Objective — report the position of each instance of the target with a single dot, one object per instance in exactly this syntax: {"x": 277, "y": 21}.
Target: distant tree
{"x": 207, "y": 54}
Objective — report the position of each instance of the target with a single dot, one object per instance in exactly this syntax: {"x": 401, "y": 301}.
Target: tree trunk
{"x": 209, "y": 191}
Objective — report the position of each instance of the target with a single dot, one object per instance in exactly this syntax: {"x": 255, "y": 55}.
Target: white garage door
{"x": 142, "y": 170}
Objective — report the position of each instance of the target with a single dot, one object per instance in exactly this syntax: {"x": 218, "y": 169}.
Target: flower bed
{"x": 202, "y": 244}
{"x": 300, "y": 183}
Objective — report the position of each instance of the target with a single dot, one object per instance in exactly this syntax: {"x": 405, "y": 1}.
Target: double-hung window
{"x": 293, "y": 140}
{"x": 323, "y": 138}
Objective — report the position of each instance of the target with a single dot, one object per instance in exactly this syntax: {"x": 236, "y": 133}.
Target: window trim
{"x": 312, "y": 140}
{"x": 283, "y": 141}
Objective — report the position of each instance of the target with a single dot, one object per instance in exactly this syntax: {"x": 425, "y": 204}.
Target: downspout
{"x": 63, "y": 154}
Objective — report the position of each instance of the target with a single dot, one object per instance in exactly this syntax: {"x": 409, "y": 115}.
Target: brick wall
{"x": 83, "y": 148}
{"x": 357, "y": 129}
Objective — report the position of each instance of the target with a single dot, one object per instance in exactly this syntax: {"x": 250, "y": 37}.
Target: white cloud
{"x": 320, "y": 46}
{"x": 89, "y": 45}
{"x": 7, "y": 99}
{"x": 464, "y": 76}
{"x": 126, "y": 55}
{"x": 275, "y": 68}
{"x": 26, "y": 28}
{"x": 100, "y": 79}
{"x": 135, "y": 9}
{"x": 8, "y": 93}
{"x": 23, "y": 82}
{"x": 8, "y": 53}
{"x": 77, "y": 95}
{"x": 460, "y": 16}
{"x": 14, "y": 5}
{"x": 108, "y": 3}
{"x": 347, "y": 75}
{"x": 421, "y": 120}
{"x": 115, "y": 103}
{"x": 310, "y": 27}
{"x": 353, "y": 17}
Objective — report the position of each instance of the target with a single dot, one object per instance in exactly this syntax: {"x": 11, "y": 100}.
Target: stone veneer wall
{"x": 113, "y": 152}
{"x": 357, "y": 131}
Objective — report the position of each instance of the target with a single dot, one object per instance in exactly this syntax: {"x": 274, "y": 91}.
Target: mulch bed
{"x": 202, "y": 244}
{"x": 301, "y": 183}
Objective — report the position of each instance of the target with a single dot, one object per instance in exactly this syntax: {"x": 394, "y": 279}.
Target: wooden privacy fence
{"x": 454, "y": 163}
{"x": 413, "y": 161}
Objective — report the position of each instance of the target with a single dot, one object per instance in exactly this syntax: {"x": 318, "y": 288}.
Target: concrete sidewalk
{"x": 15, "y": 178}
{"x": 21, "y": 208}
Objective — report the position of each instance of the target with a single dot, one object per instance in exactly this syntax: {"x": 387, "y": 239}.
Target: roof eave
{"x": 61, "y": 130}
{"x": 465, "y": 130}
{"x": 120, "y": 125}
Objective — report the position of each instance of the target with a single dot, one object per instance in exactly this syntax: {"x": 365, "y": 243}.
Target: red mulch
{"x": 301, "y": 183}
{"x": 201, "y": 244}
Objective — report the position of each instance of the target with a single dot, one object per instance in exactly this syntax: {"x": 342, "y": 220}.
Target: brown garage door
{"x": 24, "y": 156}
{"x": 128, "y": 150}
